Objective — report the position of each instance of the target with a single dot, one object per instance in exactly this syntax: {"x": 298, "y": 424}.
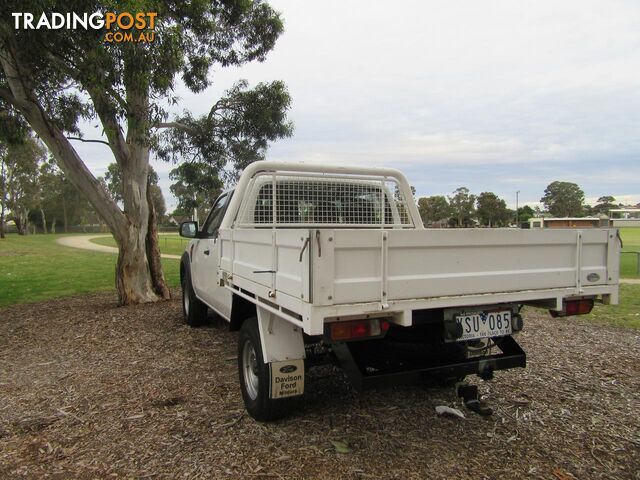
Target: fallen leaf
{"x": 341, "y": 446}
{"x": 561, "y": 475}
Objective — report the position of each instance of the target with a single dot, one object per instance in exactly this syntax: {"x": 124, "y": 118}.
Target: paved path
{"x": 84, "y": 242}
{"x": 635, "y": 281}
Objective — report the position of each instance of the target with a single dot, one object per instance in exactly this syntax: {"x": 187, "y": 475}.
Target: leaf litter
{"x": 91, "y": 390}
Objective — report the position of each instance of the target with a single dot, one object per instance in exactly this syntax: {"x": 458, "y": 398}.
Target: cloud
{"x": 499, "y": 95}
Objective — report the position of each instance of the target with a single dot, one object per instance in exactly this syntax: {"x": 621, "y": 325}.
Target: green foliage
{"x": 235, "y": 133}
{"x": 462, "y": 206}
{"x": 433, "y": 209}
{"x": 563, "y": 199}
{"x": 191, "y": 38}
{"x": 196, "y": 185}
{"x": 605, "y": 204}
{"x": 492, "y": 211}
{"x": 13, "y": 128}
{"x": 22, "y": 168}
{"x": 525, "y": 213}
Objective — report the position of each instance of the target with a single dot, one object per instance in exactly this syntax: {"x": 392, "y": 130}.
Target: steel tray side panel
{"x": 292, "y": 270}
{"x": 435, "y": 263}
{"x": 322, "y": 252}
{"x": 357, "y": 269}
{"x": 253, "y": 255}
{"x": 594, "y": 262}
{"x": 613, "y": 255}
{"x": 225, "y": 259}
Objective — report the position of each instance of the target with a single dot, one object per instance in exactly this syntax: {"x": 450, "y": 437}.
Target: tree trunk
{"x": 139, "y": 276}
{"x": 3, "y": 196}
{"x": 153, "y": 251}
{"x": 44, "y": 221}
{"x": 132, "y": 269}
{"x": 64, "y": 215}
{"x": 22, "y": 224}
{"x": 53, "y": 226}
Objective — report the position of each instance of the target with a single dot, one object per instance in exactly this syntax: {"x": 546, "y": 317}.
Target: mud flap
{"x": 287, "y": 378}
{"x": 283, "y": 349}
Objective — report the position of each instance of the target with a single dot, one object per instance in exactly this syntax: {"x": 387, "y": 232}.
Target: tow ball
{"x": 469, "y": 394}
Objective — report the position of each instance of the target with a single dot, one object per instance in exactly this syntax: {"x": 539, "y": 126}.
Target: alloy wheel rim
{"x": 250, "y": 369}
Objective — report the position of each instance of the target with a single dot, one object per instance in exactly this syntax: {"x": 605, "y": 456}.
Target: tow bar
{"x": 469, "y": 394}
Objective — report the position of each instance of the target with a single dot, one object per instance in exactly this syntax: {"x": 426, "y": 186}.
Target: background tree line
{"x": 464, "y": 209}
{"x": 37, "y": 196}
{"x": 35, "y": 193}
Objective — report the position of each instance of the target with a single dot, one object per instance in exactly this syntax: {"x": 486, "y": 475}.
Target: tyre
{"x": 193, "y": 310}
{"x": 255, "y": 377}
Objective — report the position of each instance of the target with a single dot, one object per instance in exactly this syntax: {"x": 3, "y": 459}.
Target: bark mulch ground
{"x": 89, "y": 390}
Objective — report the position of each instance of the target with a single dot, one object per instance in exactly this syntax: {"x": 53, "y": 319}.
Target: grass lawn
{"x": 170, "y": 243}
{"x": 35, "y": 267}
{"x": 627, "y": 314}
{"x": 628, "y": 261}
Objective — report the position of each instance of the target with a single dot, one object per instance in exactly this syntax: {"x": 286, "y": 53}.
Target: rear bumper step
{"x": 362, "y": 377}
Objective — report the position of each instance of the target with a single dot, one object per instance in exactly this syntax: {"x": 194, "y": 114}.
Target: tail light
{"x": 359, "y": 329}
{"x": 579, "y": 306}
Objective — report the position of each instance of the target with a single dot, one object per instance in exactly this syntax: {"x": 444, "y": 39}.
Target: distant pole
{"x": 517, "y": 224}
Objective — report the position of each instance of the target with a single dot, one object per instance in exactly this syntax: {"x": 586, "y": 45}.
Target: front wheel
{"x": 193, "y": 310}
{"x": 255, "y": 377}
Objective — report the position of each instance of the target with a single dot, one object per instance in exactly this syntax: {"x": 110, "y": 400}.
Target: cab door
{"x": 205, "y": 261}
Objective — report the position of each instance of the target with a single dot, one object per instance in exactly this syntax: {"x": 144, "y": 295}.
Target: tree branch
{"x": 117, "y": 142}
{"x": 8, "y": 97}
{"x": 22, "y": 96}
{"x": 181, "y": 126}
{"x": 89, "y": 141}
{"x": 74, "y": 73}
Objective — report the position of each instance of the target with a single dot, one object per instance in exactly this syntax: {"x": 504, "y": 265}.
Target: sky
{"x": 499, "y": 96}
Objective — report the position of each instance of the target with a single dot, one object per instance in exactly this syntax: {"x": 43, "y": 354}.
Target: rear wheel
{"x": 193, "y": 310}
{"x": 255, "y": 377}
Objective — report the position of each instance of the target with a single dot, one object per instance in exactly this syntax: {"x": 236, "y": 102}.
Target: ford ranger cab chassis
{"x": 316, "y": 262}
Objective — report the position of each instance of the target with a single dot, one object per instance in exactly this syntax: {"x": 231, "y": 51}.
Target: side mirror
{"x": 189, "y": 229}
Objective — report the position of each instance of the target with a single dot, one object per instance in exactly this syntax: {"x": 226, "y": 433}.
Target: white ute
{"x": 317, "y": 263}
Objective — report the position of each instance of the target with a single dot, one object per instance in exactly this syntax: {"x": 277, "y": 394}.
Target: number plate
{"x": 484, "y": 324}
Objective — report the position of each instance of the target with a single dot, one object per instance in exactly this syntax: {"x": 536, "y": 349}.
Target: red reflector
{"x": 574, "y": 307}
{"x": 585, "y": 306}
{"x": 358, "y": 329}
{"x": 571, "y": 308}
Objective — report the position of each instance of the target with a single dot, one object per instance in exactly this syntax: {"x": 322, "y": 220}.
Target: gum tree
{"x": 57, "y": 78}
{"x": 462, "y": 206}
{"x": 434, "y": 209}
{"x": 563, "y": 199}
{"x": 23, "y": 162}
{"x": 492, "y": 210}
